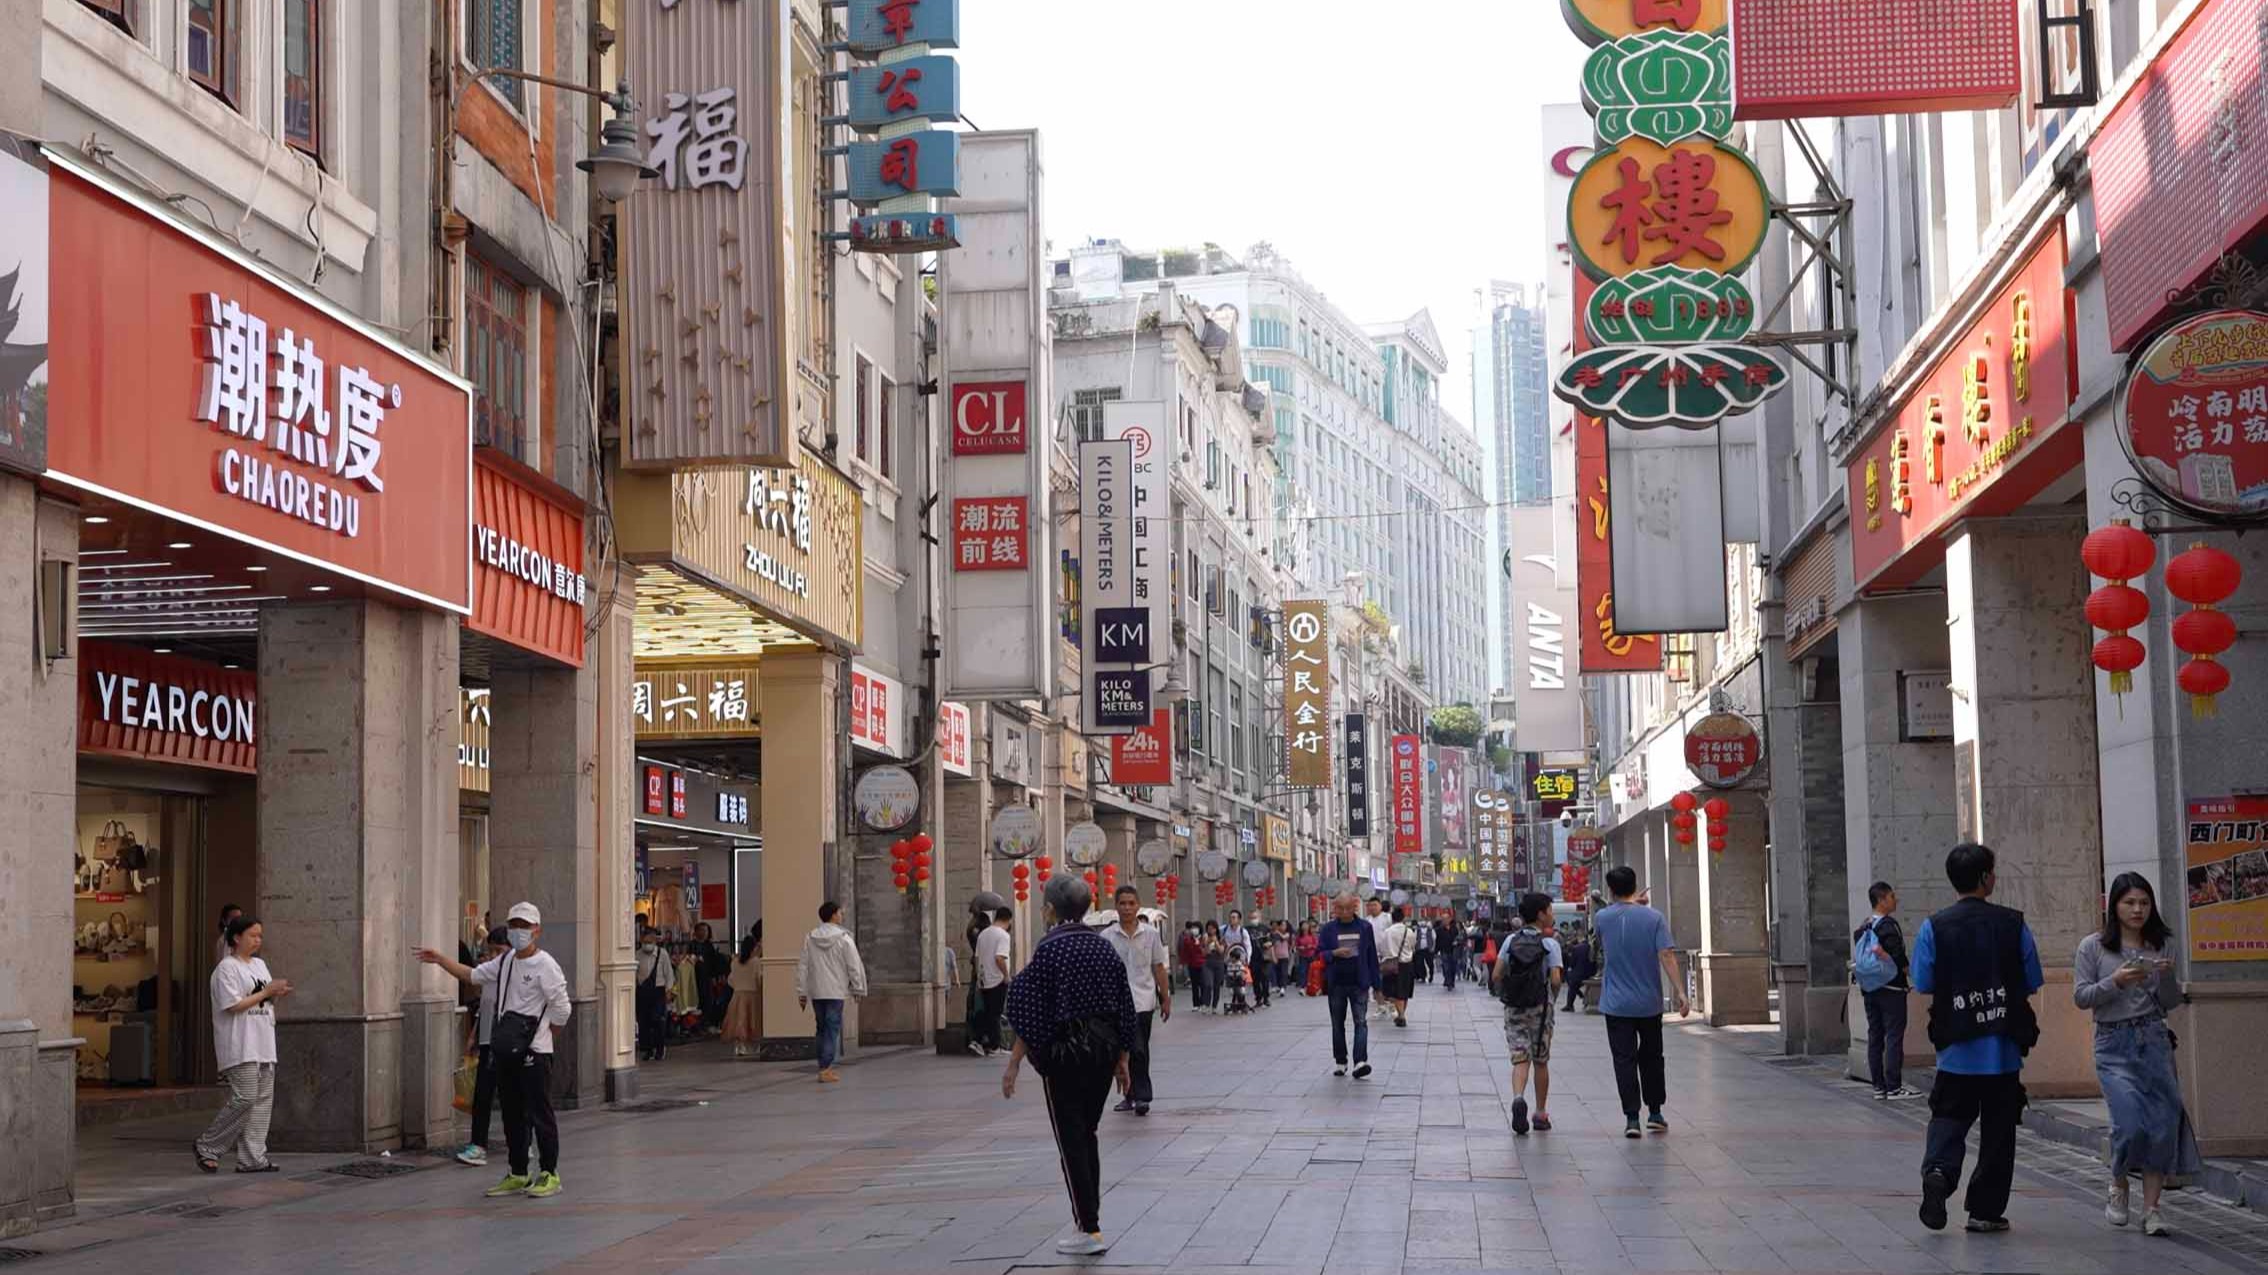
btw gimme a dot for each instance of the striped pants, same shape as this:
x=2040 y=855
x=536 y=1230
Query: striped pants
x=243 y=1123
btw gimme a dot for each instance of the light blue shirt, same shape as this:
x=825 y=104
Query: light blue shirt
x=1630 y=982
x=1994 y=1055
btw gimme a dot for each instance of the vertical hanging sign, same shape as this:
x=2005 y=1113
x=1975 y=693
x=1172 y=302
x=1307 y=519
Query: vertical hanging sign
x=705 y=254
x=1307 y=694
x=1409 y=798
x=900 y=164
x=1357 y=752
x=1114 y=636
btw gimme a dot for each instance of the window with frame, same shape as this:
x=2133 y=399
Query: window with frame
x=885 y=423
x=1087 y=411
x=211 y=48
x=303 y=75
x=493 y=39
x=119 y=13
x=862 y=409
x=496 y=356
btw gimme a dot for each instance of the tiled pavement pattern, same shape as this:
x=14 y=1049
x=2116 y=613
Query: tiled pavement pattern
x=1255 y=1160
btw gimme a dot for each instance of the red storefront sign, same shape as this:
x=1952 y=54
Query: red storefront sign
x=677 y=794
x=2197 y=412
x=1799 y=59
x=134 y=703
x=953 y=738
x=657 y=790
x=989 y=418
x=1722 y=749
x=528 y=585
x=1144 y=758
x=877 y=711
x=1409 y=796
x=2180 y=166
x=1604 y=649
x=195 y=384
x=1979 y=435
x=991 y=533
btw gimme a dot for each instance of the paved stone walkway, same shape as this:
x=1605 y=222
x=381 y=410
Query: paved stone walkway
x=1255 y=1160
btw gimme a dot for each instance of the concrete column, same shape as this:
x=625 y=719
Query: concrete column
x=1122 y=830
x=1898 y=814
x=358 y=824
x=38 y=814
x=1683 y=907
x=800 y=694
x=543 y=842
x=1735 y=974
x=611 y=942
x=964 y=867
x=2024 y=754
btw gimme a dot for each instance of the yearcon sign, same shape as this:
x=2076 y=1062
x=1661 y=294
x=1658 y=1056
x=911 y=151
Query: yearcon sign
x=528 y=585
x=1307 y=693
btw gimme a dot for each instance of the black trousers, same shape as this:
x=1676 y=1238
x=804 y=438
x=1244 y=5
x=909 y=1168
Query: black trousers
x=1885 y=1038
x=525 y=1094
x=1075 y=1105
x=1138 y=1059
x=1955 y=1103
x=483 y=1095
x=1637 y=1047
x=991 y=1002
x=653 y=1019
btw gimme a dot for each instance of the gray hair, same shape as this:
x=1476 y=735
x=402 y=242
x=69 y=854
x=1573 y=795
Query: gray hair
x=1344 y=896
x=1068 y=897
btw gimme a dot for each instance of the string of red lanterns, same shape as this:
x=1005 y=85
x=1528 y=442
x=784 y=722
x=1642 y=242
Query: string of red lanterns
x=909 y=861
x=2118 y=553
x=1682 y=820
x=1719 y=811
x=2204 y=577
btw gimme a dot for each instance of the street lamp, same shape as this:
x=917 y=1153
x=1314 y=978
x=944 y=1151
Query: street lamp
x=618 y=164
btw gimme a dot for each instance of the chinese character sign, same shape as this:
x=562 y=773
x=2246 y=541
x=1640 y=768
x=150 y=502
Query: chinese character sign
x=704 y=256
x=1554 y=790
x=673 y=701
x=2197 y=413
x=1307 y=693
x=1723 y=749
x=1356 y=749
x=880 y=26
x=2226 y=847
x=990 y=533
x=1409 y=795
x=953 y=738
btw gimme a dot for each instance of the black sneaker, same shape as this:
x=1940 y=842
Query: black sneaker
x=1935 y=1189
x=1141 y=1108
x=1124 y=1104
x=1362 y=1071
x=1630 y=1128
x=1520 y=1117
x=1656 y=1121
x=1988 y=1225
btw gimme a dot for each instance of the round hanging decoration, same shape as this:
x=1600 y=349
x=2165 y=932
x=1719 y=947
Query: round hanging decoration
x=1015 y=831
x=2117 y=607
x=2202 y=679
x=1153 y=857
x=1684 y=803
x=1256 y=873
x=2204 y=631
x=2118 y=552
x=887 y=798
x=2193 y=396
x=1084 y=844
x=1585 y=843
x=1723 y=749
x=2204 y=577
x=1046 y=868
x=1366 y=891
x=2119 y=655
x=1398 y=897
x=1310 y=882
x=1212 y=865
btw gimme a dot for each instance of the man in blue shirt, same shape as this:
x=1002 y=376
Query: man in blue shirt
x=1980 y=966
x=1349 y=948
x=1639 y=955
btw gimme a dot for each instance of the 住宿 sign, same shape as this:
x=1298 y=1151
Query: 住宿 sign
x=988 y=418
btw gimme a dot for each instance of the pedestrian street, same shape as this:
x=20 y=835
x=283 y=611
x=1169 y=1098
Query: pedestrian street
x=1254 y=1159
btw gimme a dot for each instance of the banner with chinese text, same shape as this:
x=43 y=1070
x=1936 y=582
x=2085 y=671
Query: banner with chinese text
x=1307 y=694
x=2227 y=856
x=1409 y=796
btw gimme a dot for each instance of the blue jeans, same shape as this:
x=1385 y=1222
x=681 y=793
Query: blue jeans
x=829 y=1014
x=1342 y=1000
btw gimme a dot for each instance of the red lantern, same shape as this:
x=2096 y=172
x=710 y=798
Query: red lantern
x=921 y=872
x=2119 y=655
x=922 y=844
x=1683 y=802
x=2203 y=576
x=2203 y=678
x=2117 y=551
x=2117 y=608
x=900 y=880
x=1046 y=868
x=2204 y=631
x=1717 y=808
x=1021 y=871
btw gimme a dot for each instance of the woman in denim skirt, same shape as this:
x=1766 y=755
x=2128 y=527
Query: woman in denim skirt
x=2126 y=976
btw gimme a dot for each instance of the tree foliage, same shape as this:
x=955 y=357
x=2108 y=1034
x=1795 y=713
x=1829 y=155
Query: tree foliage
x=1457 y=725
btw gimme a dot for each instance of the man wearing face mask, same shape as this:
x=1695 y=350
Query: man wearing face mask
x=655 y=977
x=531 y=1000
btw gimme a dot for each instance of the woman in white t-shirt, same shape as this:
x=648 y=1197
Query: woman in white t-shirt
x=244 y=1044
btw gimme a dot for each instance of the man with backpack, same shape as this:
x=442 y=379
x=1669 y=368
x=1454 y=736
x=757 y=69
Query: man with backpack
x=1879 y=966
x=1528 y=970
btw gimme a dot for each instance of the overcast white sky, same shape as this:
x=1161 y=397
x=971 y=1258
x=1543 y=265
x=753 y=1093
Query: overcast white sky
x=1391 y=150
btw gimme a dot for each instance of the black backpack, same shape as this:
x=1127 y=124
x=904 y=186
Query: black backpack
x=1524 y=972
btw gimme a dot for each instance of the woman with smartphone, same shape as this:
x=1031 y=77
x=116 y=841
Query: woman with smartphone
x=2126 y=976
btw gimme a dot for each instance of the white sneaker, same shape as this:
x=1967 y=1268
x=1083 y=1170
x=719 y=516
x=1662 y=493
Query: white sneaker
x=1082 y=1245
x=2115 y=1209
x=1339 y=1070
x=2153 y=1223
x=473 y=1154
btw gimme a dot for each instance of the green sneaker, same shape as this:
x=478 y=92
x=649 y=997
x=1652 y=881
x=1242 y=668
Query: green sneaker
x=513 y=1184
x=546 y=1186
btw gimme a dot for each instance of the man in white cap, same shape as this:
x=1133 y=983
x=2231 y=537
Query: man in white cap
x=531 y=1001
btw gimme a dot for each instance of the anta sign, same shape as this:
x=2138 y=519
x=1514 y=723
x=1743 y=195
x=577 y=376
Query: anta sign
x=988 y=418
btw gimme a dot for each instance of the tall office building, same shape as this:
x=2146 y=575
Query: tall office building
x=1512 y=415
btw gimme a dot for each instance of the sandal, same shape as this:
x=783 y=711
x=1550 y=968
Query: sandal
x=205 y=1162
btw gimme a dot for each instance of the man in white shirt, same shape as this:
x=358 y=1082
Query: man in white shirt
x=1374 y=912
x=992 y=983
x=533 y=989
x=1137 y=943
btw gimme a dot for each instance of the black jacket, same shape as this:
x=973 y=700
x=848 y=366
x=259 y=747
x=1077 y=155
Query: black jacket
x=1893 y=940
x=1980 y=986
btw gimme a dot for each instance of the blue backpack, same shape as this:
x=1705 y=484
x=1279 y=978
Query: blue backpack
x=1870 y=965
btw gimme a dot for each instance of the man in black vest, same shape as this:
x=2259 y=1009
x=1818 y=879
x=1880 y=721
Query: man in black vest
x=1978 y=962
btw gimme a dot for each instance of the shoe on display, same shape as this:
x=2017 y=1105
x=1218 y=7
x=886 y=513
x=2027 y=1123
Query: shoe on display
x=1520 y=1117
x=473 y=1154
x=513 y=1184
x=2115 y=1209
x=1362 y=1071
x=544 y=1187
x=1935 y=1189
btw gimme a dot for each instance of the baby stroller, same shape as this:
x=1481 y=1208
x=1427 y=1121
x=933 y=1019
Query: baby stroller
x=1239 y=978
